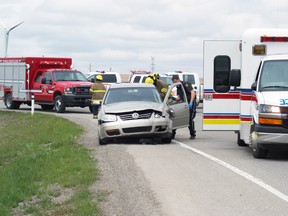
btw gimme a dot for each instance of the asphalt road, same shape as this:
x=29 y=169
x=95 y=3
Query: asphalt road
x=210 y=175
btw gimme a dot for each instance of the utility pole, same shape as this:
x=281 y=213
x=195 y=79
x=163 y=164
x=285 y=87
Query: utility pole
x=152 y=64
x=6 y=37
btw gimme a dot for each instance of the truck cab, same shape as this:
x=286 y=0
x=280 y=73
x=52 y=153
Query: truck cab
x=61 y=88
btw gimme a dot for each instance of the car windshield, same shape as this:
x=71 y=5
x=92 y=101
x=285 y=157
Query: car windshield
x=116 y=95
x=68 y=76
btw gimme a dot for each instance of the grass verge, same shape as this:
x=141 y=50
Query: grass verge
x=43 y=171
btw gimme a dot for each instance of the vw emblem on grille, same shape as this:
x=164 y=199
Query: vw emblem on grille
x=135 y=115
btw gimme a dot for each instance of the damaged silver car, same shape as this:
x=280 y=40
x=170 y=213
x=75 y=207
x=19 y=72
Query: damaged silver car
x=135 y=110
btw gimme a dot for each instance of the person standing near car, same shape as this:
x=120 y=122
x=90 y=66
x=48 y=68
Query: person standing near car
x=98 y=90
x=191 y=100
x=161 y=86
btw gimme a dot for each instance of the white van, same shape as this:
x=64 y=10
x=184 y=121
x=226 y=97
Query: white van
x=193 y=78
x=140 y=78
x=108 y=77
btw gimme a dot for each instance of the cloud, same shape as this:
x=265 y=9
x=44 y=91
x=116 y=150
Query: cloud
x=125 y=34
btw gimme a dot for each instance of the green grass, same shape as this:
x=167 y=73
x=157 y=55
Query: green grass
x=39 y=160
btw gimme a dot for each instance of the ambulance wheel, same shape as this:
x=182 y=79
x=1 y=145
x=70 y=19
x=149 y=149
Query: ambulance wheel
x=240 y=142
x=59 y=104
x=9 y=103
x=257 y=149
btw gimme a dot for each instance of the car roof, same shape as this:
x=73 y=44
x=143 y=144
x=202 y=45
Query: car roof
x=129 y=85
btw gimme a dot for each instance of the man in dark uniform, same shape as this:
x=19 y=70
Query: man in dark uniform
x=191 y=100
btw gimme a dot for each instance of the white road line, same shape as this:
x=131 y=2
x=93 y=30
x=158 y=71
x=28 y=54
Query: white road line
x=238 y=171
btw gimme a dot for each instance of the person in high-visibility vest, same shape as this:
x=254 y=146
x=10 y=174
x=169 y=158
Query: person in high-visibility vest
x=161 y=86
x=98 y=90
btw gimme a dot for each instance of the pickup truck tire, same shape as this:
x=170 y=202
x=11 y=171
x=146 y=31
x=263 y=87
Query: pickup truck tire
x=257 y=150
x=59 y=104
x=9 y=103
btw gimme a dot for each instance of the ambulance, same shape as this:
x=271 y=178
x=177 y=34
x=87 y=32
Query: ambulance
x=246 y=88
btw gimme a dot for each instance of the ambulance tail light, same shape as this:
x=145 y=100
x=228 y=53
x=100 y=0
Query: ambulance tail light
x=274 y=39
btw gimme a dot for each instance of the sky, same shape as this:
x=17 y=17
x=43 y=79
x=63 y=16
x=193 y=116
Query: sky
x=125 y=35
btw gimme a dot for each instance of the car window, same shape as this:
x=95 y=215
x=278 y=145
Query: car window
x=144 y=78
x=136 y=79
x=117 y=95
x=189 y=77
x=111 y=78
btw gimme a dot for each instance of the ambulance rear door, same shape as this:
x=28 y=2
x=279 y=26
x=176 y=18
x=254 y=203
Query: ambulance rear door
x=221 y=103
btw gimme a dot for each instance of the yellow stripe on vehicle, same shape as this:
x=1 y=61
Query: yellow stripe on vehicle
x=221 y=121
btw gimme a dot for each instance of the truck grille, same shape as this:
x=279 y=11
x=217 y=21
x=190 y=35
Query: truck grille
x=135 y=115
x=81 y=90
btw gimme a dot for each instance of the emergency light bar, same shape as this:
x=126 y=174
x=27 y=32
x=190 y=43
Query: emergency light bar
x=50 y=63
x=273 y=39
x=140 y=72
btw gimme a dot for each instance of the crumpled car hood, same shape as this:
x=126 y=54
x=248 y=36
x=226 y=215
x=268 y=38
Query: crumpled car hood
x=132 y=106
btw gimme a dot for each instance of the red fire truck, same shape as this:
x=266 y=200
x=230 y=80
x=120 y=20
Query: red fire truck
x=50 y=80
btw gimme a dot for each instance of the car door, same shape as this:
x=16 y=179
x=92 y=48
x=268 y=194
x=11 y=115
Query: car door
x=179 y=110
x=46 y=95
